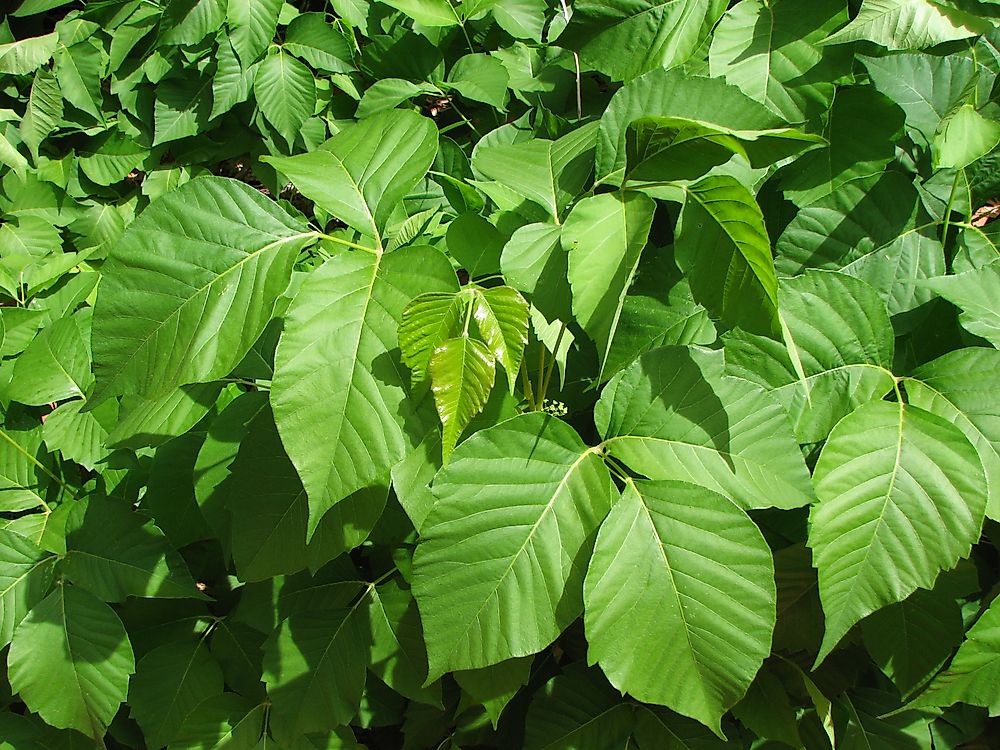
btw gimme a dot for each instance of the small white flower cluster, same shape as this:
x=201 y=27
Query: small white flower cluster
x=555 y=408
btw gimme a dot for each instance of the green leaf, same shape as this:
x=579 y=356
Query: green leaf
x=389 y=93
x=79 y=69
x=432 y=13
x=709 y=102
x=316 y=41
x=70 y=661
x=27 y=55
x=225 y=721
x=252 y=24
x=493 y=687
x=911 y=639
x=705 y=616
x=625 y=39
x=820 y=373
x=54 y=367
x=141 y=562
x=475 y=244
x=962 y=387
x=153 y=421
x=24 y=473
x=170 y=681
x=771 y=52
x=339 y=398
x=26 y=575
x=965 y=136
x=578 y=710
x=519 y=501
x=190 y=21
x=901 y=497
x=973 y=673
x=285 y=92
x=723 y=248
x=480 y=78
x=604 y=236
x=550 y=173
x=412 y=476
x=113 y=160
x=44 y=112
x=973 y=293
x=314 y=668
x=878 y=232
x=80 y=436
x=182 y=107
x=398 y=655
x=662 y=149
x=462 y=371
x=217 y=453
x=231 y=82
x=502 y=316
x=909 y=24
x=191 y=286
x=365 y=171
x=267 y=512
x=925 y=86
x=650 y=320
x=428 y=321
x=674 y=415
x=861 y=126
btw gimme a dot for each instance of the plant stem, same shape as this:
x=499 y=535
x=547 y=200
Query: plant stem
x=541 y=375
x=552 y=362
x=526 y=387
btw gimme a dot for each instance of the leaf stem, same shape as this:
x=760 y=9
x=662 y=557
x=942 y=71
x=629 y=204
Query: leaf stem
x=66 y=488
x=346 y=243
x=947 y=211
x=552 y=362
x=468 y=318
x=385 y=576
x=465 y=119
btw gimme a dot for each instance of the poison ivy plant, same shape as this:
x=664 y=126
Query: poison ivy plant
x=499 y=373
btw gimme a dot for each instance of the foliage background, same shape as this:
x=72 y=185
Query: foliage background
x=499 y=373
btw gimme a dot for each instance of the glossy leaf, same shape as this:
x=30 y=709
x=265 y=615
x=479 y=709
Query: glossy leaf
x=462 y=371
